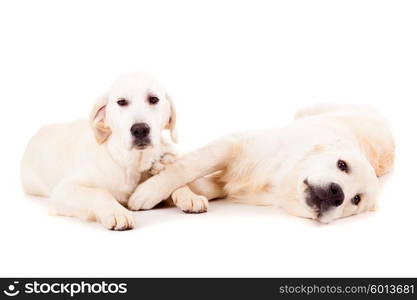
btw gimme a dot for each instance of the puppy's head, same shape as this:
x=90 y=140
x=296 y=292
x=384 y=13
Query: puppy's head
x=335 y=183
x=134 y=111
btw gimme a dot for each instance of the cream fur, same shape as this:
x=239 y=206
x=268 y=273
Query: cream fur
x=270 y=167
x=89 y=168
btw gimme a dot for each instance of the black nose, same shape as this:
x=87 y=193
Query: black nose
x=140 y=130
x=324 y=198
x=335 y=194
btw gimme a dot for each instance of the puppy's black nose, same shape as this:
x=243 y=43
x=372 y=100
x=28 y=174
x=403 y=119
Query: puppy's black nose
x=140 y=130
x=325 y=198
x=335 y=194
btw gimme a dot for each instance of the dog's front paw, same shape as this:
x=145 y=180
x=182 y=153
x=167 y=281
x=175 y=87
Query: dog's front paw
x=168 y=158
x=159 y=165
x=189 y=202
x=146 y=196
x=118 y=218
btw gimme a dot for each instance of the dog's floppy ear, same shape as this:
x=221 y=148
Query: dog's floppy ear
x=380 y=152
x=98 y=120
x=374 y=138
x=371 y=130
x=172 y=122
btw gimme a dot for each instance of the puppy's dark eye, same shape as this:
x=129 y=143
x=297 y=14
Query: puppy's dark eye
x=356 y=200
x=153 y=99
x=342 y=165
x=122 y=102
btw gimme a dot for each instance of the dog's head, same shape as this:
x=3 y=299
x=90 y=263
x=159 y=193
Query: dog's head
x=135 y=111
x=340 y=179
x=335 y=183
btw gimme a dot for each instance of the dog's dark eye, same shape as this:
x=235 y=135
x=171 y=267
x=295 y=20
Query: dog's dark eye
x=122 y=102
x=356 y=200
x=153 y=99
x=342 y=165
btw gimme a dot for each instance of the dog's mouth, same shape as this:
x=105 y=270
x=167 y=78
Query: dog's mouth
x=142 y=144
x=310 y=196
x=312 y=199
x=320 y=208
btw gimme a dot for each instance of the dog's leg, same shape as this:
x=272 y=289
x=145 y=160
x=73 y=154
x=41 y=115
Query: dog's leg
x=189 y=202
x=210 y=186
x=91 y=204
x=159 y=165
x=194 y=197
x=191 y=166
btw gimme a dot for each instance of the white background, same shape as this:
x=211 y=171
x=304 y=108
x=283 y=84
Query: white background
x=231 y=66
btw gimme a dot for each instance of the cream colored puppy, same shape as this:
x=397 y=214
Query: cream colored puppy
x=323 y=166
x=89 y=168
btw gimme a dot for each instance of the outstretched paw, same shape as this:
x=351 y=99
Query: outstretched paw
x=159 y=165
x=117 y=219
x=147 y=195
x=189 y=202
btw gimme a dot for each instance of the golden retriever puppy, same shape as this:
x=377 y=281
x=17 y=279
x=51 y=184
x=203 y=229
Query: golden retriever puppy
x=322 y=166
x=89 y=168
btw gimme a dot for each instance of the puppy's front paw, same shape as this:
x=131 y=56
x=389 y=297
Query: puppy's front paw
x=189 y=202
x=159 y=165
x=146 y=196
x=168 y=158
x=156 y=168
x=118 y=218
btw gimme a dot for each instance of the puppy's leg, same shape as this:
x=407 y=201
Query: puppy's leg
x=194 y=197
x=196 y=164
x=189 y=202
x=159 y=165
x=210 y=187
x=91 y=204
x=33 y=185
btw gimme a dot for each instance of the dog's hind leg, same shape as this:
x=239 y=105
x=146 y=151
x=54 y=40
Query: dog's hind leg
x=33 y=185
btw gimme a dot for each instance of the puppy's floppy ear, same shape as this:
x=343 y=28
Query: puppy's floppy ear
x=380 y=153
x=98 y=120
x=374 y=137
x=172 y=122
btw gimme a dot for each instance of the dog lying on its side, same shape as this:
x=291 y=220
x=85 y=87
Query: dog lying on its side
x=323 y=166
x=90 y=168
